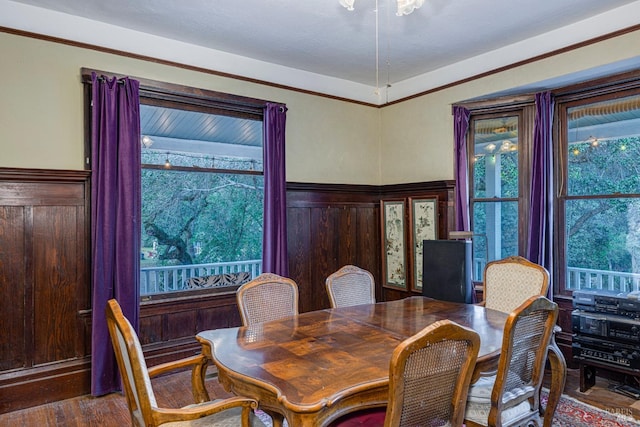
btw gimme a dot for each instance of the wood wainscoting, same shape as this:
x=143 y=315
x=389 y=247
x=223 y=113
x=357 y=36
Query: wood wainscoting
x=168 y=325
x=329 y=226
x=332 y=225
x=45 y=270
x=44 y=275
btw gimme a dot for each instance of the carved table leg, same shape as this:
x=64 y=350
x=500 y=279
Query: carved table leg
x=558 y=379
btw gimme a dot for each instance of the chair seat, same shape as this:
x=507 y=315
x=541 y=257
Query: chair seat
x=227 y=418
x=480 y=391
x=479 y=403
x=373 y=418
x=479 y=412
x=366 y=417
x=479 y=400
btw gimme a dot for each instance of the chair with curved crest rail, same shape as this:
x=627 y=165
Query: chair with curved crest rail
x=267 y=297
x=429 y=376
x=511 y=397
x=136 y=380
x=349 y=286
x=509 y=282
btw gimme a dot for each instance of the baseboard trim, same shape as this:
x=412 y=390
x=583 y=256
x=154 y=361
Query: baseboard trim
x=44 y=384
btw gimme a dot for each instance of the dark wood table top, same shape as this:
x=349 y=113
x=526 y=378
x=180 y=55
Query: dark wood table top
x=314 y=367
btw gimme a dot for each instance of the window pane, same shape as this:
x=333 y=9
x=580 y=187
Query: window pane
x=194 y=139
x=603 y=243
x=198 y=218
x=495 y=228
x=495 y=170
x=199 y=223
x=604 y=147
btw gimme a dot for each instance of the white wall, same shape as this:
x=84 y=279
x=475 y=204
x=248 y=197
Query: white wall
x=41 y=113
x=417 y=135
x=328 y=141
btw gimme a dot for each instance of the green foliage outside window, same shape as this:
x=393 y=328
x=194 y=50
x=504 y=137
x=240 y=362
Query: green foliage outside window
x=599 y=231
x=198 y=217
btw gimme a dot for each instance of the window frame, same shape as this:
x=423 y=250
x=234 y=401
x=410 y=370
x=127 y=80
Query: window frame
x=522 y=107
x=171 y=95
x=619 y=86
x=594 y=90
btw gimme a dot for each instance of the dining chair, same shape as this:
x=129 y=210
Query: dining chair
x=509 y=282
x=512 y=396
x=351 y=285
x=136 y=381
x=267 y=297
x=429 y=376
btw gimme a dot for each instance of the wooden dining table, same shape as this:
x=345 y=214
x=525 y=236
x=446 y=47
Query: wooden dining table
x=317 y=366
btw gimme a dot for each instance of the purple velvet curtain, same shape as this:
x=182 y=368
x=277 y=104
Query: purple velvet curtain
x=541 y=203
x=115 y=216
x=460 y=127
x=274 y=245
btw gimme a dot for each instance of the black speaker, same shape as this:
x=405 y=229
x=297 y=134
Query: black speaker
x=446 y=270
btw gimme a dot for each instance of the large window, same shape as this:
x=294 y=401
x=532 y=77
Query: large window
x=202 y=196
x=496 y=187
x=599 y=192
x=595 y=183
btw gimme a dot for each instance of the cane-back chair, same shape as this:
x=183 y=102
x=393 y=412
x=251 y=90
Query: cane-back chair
x=136 y=381
x=511 y=397
x=267 y=297
x=351 y=285
x=429 y=376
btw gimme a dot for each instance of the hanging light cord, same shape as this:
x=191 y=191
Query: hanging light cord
x=377 y=91
x=386 y=91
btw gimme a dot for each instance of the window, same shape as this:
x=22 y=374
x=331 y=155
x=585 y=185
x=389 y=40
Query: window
x=596 y=182
x=599 y=192
x=202 y=195
x=496 y=202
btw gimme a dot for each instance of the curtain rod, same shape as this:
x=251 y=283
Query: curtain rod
x=164 y=87
x=119 y=80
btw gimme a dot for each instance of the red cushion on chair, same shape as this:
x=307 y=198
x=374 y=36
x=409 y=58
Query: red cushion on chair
x=367 y=417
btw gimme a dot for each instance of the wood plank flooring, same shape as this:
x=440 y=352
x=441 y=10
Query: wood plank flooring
x=600 y=396
x=174 y=391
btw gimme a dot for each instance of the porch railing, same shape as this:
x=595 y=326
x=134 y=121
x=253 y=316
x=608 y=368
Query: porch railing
x=157 y=280
x=585 y=278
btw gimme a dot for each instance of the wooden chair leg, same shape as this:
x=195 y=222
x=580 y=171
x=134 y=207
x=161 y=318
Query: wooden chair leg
x=558 y=380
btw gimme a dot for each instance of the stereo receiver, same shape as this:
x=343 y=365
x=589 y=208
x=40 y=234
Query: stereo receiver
x=625 y=304
x=617 y=328
x=612 y=353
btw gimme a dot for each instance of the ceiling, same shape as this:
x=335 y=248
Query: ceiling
x=318 y=45
x=173 y=130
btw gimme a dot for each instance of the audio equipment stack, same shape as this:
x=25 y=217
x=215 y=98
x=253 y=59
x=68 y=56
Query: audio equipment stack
x=606 y=333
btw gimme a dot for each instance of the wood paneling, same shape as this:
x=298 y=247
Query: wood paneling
x=168 y=325
x=55 y=283
x=330 y=226
x=43 y=280
x=565 y=336
x=45 y=275
x=12 y=288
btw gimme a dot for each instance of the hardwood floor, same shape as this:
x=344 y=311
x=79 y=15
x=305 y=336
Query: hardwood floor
x=600 y=396
x=108 y=411
x=174 y=391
